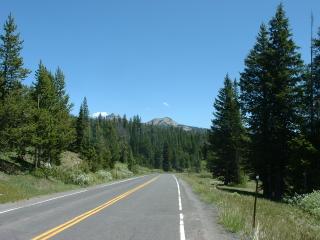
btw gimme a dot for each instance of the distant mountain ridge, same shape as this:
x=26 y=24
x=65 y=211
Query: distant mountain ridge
x=162 y=122
x=112 y=116
x=105 y=115
x=169 y=122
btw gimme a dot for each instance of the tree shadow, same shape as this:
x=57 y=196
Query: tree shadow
x=245 y=192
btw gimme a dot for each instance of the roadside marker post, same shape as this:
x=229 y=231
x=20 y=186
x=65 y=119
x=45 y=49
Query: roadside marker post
x=255 y=203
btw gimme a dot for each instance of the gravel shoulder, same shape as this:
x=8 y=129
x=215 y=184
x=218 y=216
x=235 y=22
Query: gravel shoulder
x=201 y=219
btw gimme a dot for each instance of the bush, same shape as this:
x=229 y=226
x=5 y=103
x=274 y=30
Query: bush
x=84 y=166
x=60 y=174
x=310 y=203
x=81 y=174
x=68 y=176
x=121 y=171
x=104 y=175
x=81 y=178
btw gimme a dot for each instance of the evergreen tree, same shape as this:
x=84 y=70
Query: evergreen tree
x=315 y=88
x=16 y=108
x=131 y=162
x=158 y=159
x=63 y=121
x=11 y=63
x=82 y=127
x=166 y=157
x=17 y=126
x=44 y=97
x=269 y=92
x=306 y=147
x=60 y=87
x=226 y=134
x=54 y=131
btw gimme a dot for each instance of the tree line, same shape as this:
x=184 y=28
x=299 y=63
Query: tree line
x=268 y=123
x=36 y=125
x=106 y=140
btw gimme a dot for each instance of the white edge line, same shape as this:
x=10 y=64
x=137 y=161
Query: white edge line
x=181 y=223
x=67 y=195
x=182 y=234
x=30 y=205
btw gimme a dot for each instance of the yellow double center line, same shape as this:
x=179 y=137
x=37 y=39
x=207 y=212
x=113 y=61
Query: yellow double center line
x=54 y=231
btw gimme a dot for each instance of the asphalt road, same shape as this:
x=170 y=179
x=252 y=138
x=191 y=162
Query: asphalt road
x=144 y=208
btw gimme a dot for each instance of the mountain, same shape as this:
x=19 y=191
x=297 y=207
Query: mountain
x=106 y=115
x=165 y=122
x=168 y=122
x=162 y=122
x=112 y=116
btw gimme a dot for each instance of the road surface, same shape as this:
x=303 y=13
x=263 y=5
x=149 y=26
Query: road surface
x=151 y=207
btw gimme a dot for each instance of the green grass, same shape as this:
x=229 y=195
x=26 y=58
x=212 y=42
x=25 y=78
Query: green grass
x=18 y=187
x=24 y=186
x=276 y=221
x=68 y=176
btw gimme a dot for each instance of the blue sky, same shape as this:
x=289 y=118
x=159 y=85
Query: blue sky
x=152 y=58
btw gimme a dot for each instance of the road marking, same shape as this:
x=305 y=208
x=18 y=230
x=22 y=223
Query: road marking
x=182 y=234
x=48 y=200
x=54 y=231
x=181 y=223
x=122 y=181
x=67 y=195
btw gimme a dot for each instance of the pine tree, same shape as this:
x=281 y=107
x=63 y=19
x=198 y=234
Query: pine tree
x=255 y=88
x=226 y=134
x=82 y=127
x=306 y=148
x=11 y=63
x=60 y=87
x=158 y=159
x=166 y=157
x=16 y=108
x=131 y=162
x=315 y=86
x=54 y=126
x=17 y=126
x=269 y=92
x=114 y=146
x=44 y=97
x=63 y=121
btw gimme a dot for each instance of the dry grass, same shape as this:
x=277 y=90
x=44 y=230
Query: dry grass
x=276 y=221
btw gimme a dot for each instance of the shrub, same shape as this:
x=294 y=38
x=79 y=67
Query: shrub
x=104 y=175
x=39 y=173
x=121 y=171
x=84 y=166
x=81 y=178
x=60 y=174
x=310 y=203
x=68 y=176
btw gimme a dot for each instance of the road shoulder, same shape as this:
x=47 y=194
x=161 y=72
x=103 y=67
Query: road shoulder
x=201 y=219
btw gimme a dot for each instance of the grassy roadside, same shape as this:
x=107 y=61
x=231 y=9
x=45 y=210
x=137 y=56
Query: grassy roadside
x=275 y=220
x=18 y=187
x=28 y=185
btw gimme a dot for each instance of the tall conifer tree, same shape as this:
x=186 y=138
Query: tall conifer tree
x=11 y=63
x=82 y=126
x=269 y=86
x=227 y=134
